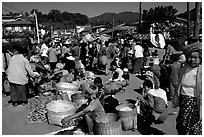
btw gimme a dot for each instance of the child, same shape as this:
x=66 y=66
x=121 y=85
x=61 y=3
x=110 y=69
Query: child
x=108 y=101
x=126 y=75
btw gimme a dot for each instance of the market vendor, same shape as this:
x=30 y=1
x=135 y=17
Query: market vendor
x=153 y=104
x=108 y=100
x=18 y=70
x=94 y=108
x=116 y=69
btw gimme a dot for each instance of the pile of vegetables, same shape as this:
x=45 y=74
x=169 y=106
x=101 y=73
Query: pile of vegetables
x=37 y=108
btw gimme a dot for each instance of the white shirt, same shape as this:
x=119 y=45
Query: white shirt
x=138 y=51
x=18 y=69
x=158 y=93
x=120 y=74
x=188 y=82
x=44 y=49
x=161 y=40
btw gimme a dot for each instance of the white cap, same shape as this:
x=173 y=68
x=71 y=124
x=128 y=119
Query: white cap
x=125 y=70
x=130 y=52
x=70 y=58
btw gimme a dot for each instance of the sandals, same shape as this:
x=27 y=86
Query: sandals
x=14 y=104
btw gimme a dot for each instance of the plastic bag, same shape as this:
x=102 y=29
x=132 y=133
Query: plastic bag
x=6 y=86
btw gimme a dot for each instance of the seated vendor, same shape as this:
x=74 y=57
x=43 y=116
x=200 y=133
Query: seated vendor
x=126 y=75
x=108 y=101
x=116 y=69
x=153 y=104
x=93 y=109
x=117 y=76
x=79 y=71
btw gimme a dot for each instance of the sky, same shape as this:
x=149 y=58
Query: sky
x=89 y=8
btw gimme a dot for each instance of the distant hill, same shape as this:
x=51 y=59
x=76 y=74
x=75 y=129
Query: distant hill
x=123 y=17
x=130 y=17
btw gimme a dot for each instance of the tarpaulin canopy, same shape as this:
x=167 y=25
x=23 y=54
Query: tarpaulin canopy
x=87 y=38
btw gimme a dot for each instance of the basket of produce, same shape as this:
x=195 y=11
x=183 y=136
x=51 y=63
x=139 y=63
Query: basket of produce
x=67 y=86
x=108 y=124
x=59 y=109
x=128 y=116
x=37 y=108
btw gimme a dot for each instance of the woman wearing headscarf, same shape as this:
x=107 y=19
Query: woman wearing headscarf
x=188 y=94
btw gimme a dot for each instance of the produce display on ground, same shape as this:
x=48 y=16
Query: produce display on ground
x=37 y=108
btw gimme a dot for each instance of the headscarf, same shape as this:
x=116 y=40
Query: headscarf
x=194 y=47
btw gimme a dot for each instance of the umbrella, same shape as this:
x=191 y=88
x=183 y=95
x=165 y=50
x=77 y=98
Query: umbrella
x=104 y=38
x=88 y=37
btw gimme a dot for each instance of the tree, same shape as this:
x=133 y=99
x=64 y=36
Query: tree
x=55 y=15
x=159 y=14
x=60 y=20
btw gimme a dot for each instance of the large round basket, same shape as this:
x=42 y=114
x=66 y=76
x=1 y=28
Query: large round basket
x=108 y=124
x=59 y=109
x=128 y=116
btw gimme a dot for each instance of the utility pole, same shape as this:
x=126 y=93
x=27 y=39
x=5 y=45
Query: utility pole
x=113 y=29
x=140 y=17
x=36 y=22
x=188 y=21
x=197 y=19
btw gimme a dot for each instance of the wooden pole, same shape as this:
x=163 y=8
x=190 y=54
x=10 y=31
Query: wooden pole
x=140 y=17
x=188 y=21
x=113 y=30
x=36 y=22
x=197 y=19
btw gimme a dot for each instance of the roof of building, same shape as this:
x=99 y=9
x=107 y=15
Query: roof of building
x=19 y=22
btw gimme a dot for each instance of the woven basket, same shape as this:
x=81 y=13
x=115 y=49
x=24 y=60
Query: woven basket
x=59 y=109
x=108 y=124
x=128 y=116
x=67 y=86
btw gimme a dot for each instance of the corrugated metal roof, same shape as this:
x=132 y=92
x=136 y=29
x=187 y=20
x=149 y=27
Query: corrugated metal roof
x=19 y=22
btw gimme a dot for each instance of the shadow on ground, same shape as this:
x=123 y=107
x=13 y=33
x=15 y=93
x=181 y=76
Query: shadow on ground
x=150 y=131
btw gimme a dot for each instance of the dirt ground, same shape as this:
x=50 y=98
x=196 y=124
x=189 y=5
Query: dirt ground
x=14 y=121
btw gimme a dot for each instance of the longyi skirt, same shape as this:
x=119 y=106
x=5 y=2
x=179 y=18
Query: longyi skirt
x=187 y=121
x=137 y=64
x=18 y=92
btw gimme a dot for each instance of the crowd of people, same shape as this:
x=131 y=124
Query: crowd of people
x=25 y=70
